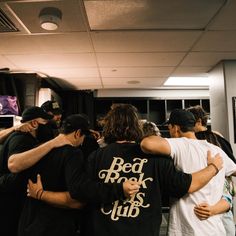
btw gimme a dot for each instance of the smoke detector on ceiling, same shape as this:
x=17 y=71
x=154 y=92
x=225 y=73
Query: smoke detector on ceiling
x=50 y=18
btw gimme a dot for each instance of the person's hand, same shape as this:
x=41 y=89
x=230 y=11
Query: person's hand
x=130 y=188
x=95 y=134
x=35 y=190
x=60 y=140
x=203 y=211
x=215 y=161
x=24 y=127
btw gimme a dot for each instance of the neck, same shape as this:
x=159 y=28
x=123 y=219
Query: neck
x=190 y=135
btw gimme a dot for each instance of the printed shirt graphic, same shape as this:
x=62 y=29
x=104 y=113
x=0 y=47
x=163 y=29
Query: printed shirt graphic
x=118 y=168
x=140 y=215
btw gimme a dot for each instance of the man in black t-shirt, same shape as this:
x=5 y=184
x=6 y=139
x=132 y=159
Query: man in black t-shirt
x=12 y=188
x=42 y=219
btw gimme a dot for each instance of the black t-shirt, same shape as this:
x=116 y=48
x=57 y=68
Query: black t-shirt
x=13 y=186
x=218 y=140
x=57 y=169
x=142 y=215
x=47 y=132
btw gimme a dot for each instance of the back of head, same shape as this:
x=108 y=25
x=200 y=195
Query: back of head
x=52 y=106
x=182 y=118
x=35 y=112
x=122 y=123
x=75 y=122
x=199 y=113
x=150 y=128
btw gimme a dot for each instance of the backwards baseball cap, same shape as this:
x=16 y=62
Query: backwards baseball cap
x=32 y=113
x=75 y=122
x=52 y=106
x=181 y=117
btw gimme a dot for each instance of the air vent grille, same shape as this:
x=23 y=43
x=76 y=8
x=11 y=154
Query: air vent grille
x=6 y=25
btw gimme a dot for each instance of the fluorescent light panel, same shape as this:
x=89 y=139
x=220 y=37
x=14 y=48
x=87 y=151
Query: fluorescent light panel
x=187 y=81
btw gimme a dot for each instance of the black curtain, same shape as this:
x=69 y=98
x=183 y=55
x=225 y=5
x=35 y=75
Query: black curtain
x=74 y=102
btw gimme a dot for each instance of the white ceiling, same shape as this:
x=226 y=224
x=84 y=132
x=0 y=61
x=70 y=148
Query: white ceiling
x=105 y=44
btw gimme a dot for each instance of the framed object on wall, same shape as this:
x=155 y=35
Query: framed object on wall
x=234 y=116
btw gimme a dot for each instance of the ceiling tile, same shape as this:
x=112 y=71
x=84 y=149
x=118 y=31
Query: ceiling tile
x=191 y=71
x=138 y=59
x=28 y=12
x=40 y=61
x=144 y=41
x=204 y=59
x=123 y=82
x=72 y=72
x=67 y=43
x=146 y=14
x=226 y=19
x=218 y=41
x=133 y=72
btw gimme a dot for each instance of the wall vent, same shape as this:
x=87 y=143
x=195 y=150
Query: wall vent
x=6 y=25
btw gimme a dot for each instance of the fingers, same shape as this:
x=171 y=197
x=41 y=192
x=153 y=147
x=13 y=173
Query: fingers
x=39 y=181
x=130 y=188
x=201 y=213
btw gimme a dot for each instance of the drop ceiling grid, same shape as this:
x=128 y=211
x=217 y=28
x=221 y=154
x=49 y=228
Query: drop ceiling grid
x=132 y=72
x=144 y=41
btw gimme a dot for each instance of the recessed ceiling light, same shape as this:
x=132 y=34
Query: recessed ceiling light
x=187 y=81
x=50 y=18
x=133 y=82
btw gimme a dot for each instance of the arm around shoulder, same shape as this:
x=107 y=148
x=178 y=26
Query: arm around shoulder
x=155 y=145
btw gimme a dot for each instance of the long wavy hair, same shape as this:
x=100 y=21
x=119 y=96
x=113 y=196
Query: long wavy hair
x=122 y=124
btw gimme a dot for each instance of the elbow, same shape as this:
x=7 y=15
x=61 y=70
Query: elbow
x=12 y=166
x=76 y=205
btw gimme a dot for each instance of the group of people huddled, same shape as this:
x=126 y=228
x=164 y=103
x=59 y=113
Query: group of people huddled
x=60 y=178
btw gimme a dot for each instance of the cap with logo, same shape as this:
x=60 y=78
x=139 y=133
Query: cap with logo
x=181 y=117
x=35 y=112
x=52 y=106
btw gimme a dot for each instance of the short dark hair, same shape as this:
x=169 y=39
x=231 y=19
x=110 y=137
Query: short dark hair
x=122 y=123
x=75 y=122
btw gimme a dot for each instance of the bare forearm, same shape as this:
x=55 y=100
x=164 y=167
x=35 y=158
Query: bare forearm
x=60 y=199
x=21 y=161
x=5 y=133
x=155 y=145
x=201 y=178
x=220 y=207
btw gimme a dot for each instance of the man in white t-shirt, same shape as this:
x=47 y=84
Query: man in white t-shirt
x=190 y=155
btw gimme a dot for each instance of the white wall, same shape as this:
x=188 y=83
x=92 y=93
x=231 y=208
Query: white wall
x=222 y=89
x=158 y=93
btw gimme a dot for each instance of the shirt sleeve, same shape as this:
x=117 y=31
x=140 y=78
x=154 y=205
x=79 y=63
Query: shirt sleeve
x=173 y=182
x=83 y=187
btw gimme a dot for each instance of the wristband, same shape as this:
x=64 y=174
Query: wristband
x=37 y=192
x=217 y=170
x=41 y=194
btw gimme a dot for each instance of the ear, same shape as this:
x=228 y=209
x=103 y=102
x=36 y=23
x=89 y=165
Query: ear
x=34 y=123
x=77 y=134
x=177 y=129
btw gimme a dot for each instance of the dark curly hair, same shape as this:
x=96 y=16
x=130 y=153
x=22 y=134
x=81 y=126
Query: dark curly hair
x=122 y=123
x=199 y=113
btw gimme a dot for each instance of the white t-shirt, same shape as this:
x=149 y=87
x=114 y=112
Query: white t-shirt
x=190 y=155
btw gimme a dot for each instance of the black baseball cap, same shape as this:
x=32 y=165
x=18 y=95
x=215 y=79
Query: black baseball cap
x=181 y=117
x=76 y=122
x=35 y=112
x=52 y=106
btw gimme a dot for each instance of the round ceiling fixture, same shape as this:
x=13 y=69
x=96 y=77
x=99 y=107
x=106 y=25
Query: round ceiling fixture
x=50 y=18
